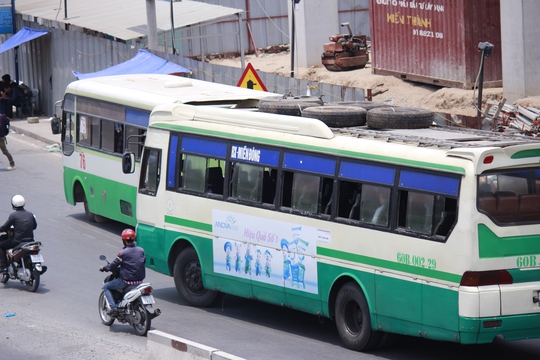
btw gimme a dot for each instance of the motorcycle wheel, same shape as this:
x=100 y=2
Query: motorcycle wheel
x=141 y=318
x=4 y=278
x=106 y=319
x=33 y=284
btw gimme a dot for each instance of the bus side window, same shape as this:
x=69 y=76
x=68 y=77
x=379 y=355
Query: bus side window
x=419 y=212
x=247 y=182
x=150 y=172
x=287 y=186
x=215 y=180
x=118 y=138
x=193 y=177
x=375 y=204
x=347 y=194
x=268 y=186
x=305 y=194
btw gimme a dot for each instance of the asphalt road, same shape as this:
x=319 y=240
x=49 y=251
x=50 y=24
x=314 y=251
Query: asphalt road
x=60 y=320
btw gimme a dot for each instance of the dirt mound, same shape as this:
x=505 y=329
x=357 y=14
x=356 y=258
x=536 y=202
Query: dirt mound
x=388 y=89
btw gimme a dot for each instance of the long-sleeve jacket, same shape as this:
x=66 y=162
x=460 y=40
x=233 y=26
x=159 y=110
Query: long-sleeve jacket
x=130 y=260
x=24 y=223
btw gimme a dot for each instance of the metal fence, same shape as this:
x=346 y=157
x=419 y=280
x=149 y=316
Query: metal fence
x=47 y=63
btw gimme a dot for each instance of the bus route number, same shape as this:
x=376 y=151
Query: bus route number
x=417 y=261
x=83 y=161
x=526 y=261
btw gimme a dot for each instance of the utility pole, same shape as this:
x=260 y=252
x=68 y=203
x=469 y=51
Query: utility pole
x=151 y=24
x=294 y=4
x=14 y=30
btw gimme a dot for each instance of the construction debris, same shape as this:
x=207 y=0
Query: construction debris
x=516 y=119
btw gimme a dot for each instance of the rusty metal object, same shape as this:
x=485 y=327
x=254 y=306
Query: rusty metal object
x=345 y=51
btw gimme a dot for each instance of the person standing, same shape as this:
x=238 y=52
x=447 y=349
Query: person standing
x=130 y=262
x=11 y=96
x=4 y=131
x=23 y=222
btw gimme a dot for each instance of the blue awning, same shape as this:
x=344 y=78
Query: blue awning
x=21 y=36
x=142 y=63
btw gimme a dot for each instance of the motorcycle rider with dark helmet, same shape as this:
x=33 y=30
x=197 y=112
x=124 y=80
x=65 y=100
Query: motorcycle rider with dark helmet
x=131 y=263
x=23 y=222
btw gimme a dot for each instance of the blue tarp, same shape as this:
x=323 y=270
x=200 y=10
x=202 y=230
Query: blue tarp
x=21 y=36
x=142 y=63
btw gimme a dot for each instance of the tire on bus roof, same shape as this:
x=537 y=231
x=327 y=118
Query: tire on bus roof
x=368 y=105
x=338 y=115
x=288 y=104
x=399 y=118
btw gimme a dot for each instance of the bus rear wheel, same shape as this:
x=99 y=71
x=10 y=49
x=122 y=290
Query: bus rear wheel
x=353 y=321
x=90 y=216
x=188 y=280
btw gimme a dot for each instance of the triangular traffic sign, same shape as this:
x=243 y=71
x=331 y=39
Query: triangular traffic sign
x=250 y=79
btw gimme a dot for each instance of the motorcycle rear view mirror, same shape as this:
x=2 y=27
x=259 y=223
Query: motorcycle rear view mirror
x=102 y=257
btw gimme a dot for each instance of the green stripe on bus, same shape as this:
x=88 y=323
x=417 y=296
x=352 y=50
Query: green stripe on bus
x=188 y=223
x=385 y=159
x=526 y=154
x=492 y=246
x=389 y=265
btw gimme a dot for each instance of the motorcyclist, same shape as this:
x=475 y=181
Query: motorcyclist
x=131 y=264
x=23 y=222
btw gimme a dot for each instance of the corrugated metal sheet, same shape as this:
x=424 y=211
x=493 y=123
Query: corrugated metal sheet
x=123 y=19
x=436 y=42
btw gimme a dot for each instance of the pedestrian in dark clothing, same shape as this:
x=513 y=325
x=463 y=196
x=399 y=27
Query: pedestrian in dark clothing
x=6 y=80
x=11 y=96
x=23 y=222
x=4 y=131
x=130 y=261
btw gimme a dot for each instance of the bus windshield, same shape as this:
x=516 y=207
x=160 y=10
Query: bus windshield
x=510 y=197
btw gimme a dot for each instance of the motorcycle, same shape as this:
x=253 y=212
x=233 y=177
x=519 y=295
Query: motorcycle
x=135 y=307
x=25 y=264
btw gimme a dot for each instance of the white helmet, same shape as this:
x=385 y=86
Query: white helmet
x=17 y=201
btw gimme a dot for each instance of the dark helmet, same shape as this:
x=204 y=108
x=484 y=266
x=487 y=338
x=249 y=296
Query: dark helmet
x=128 y=236
x=17 y=201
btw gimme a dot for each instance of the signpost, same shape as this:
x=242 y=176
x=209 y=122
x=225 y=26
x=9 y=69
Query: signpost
x=251 y=80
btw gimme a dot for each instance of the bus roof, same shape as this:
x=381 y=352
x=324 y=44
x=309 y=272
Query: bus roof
x=150 y=90
x=444 y=144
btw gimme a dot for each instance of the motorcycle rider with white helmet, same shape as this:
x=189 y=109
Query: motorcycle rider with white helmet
x=23 y=222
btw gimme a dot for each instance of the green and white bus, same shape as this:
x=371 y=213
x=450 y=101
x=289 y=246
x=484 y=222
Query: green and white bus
x=384 y=231
x=104 y=116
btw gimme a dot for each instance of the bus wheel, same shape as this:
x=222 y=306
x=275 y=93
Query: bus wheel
x=188 y=279
x=353 y=321
x=90 y=216
x=399 y=118
x=337 y=116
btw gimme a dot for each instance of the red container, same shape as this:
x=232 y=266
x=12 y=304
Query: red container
x=436 y=41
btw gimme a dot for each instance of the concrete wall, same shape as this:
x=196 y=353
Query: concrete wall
x=520 y=51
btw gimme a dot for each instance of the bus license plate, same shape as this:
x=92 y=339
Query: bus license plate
x=36 y=258
x=147 y=299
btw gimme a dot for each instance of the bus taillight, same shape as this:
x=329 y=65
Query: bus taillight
x=488 y=159
x=483 y=278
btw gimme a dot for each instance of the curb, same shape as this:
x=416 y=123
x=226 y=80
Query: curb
x=165 y=346
x=33 y=135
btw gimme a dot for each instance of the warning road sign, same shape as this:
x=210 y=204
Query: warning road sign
x=250 y=79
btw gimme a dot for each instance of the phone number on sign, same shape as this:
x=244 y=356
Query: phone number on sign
x=427 y=33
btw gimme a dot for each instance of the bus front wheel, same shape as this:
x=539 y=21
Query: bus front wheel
x=353 y=321
x=188 y=280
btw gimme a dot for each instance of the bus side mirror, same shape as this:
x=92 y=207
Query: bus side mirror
x=128 y=163
x=55 y=125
